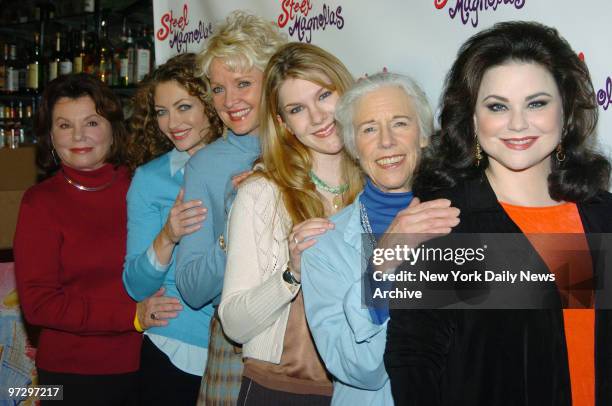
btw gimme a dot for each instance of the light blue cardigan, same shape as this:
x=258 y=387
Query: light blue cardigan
x=350 y=344
x=200 y=258
x=151 y=196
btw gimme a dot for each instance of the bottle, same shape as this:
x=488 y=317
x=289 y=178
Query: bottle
x=79 y=53
x=65 y=63
x=91 y=56
x=3 y=69
x=131 y=58
x=55 y=58
x=89 y=6
x=105 y=56
x=143 y=56
x=12 y=71
x=13 y=138
x=34 y=76
x=120 y=58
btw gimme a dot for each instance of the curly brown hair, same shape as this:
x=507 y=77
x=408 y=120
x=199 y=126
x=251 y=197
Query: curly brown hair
x=147 y=141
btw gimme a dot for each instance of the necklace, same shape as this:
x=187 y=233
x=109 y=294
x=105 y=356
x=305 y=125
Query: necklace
x=337 y=191
x=74 y=184
x=365 y=223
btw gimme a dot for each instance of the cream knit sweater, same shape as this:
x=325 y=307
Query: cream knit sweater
x=256 y=300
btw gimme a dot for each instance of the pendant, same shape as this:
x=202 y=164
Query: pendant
x=337 y=202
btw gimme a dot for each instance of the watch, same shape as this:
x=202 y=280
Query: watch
x=289 y=278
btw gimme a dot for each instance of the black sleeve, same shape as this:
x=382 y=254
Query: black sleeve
x=418 y=342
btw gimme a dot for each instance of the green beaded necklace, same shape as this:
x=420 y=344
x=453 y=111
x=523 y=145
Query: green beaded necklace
x=337 y=191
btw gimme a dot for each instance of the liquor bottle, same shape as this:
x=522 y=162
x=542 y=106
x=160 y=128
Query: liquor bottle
x=12 y=71
x=55 y=58
x=79 y=53
x=120 y=59
x=65 y=63
x=34 y=76
x=143 y=56
x=105 y=56
x=91 y=56
x=3 y=69
x=89 y=6
x=131 y=58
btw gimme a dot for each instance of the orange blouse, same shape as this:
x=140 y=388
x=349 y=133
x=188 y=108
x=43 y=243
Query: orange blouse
x=579 y=319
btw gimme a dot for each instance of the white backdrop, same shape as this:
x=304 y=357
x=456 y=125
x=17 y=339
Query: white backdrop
x=415 y=37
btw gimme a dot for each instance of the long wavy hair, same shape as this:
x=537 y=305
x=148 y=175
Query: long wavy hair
x=147 y=141
x=286 y=160
x=451 y=155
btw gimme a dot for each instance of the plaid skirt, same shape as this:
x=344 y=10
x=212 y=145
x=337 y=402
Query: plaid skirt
x=223 y=376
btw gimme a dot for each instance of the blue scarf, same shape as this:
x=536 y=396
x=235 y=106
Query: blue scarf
x=381 y=208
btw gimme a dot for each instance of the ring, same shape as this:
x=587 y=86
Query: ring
x=295 y=240
x=153 y=316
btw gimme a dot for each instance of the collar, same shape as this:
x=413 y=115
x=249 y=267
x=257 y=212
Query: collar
x=178 y=160
x=106 y=173
x=246 y=143
x=353 y=231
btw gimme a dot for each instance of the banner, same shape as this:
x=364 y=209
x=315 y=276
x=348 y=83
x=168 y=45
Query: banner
x=418 y=38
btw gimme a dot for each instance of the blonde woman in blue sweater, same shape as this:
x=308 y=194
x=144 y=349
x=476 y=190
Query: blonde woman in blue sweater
x=173 y=119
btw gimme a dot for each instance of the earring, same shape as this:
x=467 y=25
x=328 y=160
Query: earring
x=54 y=156
x=478 y=152
x=560 y=154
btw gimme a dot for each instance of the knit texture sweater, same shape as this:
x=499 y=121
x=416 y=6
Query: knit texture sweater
x=69 y=249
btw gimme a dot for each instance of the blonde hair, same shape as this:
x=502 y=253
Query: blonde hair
x=286 y=160
x=243 y=41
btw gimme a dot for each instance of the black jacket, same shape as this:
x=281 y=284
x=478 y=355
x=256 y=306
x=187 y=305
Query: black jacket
x=493 y=357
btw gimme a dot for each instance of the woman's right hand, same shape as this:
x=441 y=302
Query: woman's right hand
x=184 y=218
x=155 y=310
x=419 y=222
x=301 y=239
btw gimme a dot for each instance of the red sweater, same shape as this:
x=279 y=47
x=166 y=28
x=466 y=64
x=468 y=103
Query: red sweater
x=69 y=249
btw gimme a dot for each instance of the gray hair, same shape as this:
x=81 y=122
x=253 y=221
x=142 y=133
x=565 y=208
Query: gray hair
x=345 y=109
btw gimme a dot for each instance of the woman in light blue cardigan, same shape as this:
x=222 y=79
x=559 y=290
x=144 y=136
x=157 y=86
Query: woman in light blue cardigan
x=384 y=120
x=173 y=119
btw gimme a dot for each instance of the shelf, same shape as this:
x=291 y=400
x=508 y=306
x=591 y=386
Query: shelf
x=18 y=97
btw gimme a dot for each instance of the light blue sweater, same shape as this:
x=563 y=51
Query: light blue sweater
x=208 y=177
x=151 y=196
x=350 y=344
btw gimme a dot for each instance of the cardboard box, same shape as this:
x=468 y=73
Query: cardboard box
x=17 y=173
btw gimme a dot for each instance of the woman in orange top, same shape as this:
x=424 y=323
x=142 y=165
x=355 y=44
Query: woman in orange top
x=517 y=111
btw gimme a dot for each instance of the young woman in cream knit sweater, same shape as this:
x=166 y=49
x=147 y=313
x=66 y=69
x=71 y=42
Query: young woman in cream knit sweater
x=303 y=177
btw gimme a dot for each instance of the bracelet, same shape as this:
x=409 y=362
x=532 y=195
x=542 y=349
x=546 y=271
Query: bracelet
x=137 y=325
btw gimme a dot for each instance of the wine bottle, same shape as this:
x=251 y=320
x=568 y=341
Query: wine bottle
x=143 y=56
x=65 y=63
x=34 y=67
x=55 y=58
x=105 y=56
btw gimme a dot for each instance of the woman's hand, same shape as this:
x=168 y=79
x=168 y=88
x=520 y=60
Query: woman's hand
x=184 y=218
x=419 y=222
x=301 y=239
x=238 y=179
x=155 y=310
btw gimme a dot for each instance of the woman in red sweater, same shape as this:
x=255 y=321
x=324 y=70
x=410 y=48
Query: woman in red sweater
x=69 y=249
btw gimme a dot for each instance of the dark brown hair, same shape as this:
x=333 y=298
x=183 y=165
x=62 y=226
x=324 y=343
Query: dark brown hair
x=73 y=87
x=147 y=141
x=451 y=156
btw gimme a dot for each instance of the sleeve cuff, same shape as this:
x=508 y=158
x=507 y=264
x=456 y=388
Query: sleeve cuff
x=358 y=317
x=152 y=257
